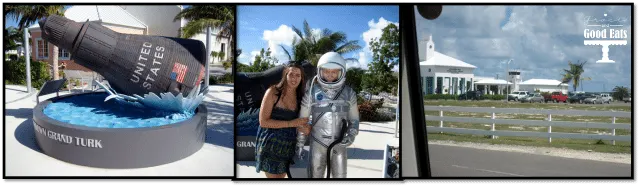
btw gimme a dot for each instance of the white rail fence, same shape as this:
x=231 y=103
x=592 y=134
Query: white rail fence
x=548 y=122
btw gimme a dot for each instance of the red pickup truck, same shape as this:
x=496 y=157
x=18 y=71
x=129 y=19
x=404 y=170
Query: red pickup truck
x=555 y=97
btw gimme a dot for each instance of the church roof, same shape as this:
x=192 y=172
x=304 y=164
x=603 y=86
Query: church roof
x=440 y=59
x=435 y=58
x=547 y=82
x=491 y=82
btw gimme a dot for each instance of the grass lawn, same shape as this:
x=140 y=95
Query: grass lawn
x=594 y=145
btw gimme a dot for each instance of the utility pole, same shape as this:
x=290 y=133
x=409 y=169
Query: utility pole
x=27 y=58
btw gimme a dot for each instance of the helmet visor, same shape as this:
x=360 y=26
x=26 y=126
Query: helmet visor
x=331 y=72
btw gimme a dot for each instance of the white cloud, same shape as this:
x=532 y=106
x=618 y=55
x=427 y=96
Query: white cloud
x=540 y=39
x=375 y=31
x=283 y=35
x=362 y=61
x=253 y=55
x=242 y=56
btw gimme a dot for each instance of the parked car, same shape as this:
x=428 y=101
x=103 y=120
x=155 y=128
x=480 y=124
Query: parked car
x=556 y=97
x=533 y=97
x=626 y=99
x=577 y=98
x=594 y=99
x=606 y=97
x=517 y=95
x=473 y=95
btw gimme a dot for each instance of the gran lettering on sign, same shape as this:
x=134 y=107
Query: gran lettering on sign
x=66 y=139
x=454 y=70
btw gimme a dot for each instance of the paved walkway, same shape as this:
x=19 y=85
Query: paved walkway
x=23 y=157
x=365 y=155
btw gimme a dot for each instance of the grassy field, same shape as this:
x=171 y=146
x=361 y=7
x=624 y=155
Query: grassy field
x=594 y=145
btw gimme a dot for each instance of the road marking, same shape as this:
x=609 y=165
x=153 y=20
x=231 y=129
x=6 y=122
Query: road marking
x=499 y=172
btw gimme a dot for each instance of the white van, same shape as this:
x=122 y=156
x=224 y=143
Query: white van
x=606 y=97
x=517 y=95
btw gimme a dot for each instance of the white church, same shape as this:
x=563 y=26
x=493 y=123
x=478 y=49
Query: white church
x=442 y=74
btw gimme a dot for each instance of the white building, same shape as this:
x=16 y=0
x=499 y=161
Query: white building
x=219 y=45
x=491 y=85
x=543 y=85
x=442 y=74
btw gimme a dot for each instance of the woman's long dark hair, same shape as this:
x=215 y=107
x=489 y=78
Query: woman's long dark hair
x=280 y=87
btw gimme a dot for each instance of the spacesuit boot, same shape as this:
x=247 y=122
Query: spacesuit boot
x=330 y=104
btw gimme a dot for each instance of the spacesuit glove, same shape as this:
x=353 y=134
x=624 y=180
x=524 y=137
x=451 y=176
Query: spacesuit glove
x=349 y=137
x=300 y=152
x=301 y=139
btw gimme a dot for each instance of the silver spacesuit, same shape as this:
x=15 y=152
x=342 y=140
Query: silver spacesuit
x=329 y=103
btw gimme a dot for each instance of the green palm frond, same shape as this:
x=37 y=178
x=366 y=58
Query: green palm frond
x=297 y=31
x=27 y=15
x=220 y=17
x=350 y=46
x=308 y=32
x=338 y=37
x=197 y=26
x=286 y=51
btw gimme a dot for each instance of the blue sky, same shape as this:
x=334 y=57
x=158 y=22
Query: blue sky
x=540 y=40
x=269 y=26
x=11 y=22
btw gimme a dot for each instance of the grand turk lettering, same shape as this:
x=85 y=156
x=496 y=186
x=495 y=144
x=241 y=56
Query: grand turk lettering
x=66 y=139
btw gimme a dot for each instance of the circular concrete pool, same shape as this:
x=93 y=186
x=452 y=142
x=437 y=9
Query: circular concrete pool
x=83 y=129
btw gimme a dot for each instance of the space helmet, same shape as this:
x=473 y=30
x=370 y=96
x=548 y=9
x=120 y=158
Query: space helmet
x=332 y=60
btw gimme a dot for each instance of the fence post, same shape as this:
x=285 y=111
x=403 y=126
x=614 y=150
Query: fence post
x=549 y=127
x=493 y=125
x=613 y=131
x=441 y=115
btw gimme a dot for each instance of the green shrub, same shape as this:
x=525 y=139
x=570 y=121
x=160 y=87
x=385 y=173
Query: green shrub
x=441 y=97
x=359 y=99
x=494 y=97
x=224 y=79
x=15 y=72
x=369 y=112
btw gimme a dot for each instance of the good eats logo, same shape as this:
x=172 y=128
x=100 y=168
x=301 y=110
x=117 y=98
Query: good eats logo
x=605 y=31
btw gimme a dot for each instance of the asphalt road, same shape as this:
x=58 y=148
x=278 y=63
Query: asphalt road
x=452 y=161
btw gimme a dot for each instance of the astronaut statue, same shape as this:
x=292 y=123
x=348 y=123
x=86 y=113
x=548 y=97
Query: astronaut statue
x=330 y=104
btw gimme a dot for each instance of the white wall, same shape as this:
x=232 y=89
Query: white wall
x=158 y=18
x=544 y=88
x=215 y=44
x=441 y=71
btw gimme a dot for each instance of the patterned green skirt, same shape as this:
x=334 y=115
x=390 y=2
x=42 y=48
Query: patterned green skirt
x=275 y=149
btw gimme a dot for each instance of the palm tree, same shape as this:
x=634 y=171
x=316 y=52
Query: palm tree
x=221 y=17
x=573 y=74
x=27 y=15
x=619 y=92
x=12 y=36
x=310 y=46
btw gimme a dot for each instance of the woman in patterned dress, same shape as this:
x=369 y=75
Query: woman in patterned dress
x=279 y=123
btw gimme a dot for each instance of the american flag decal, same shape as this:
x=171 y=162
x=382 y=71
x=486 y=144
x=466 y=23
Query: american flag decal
x=178 y=72
x=200 y=76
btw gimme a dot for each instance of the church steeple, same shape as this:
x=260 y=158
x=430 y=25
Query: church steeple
x=430 y=48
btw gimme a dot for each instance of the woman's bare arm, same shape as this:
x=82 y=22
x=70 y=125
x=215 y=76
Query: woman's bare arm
x=265 y=112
